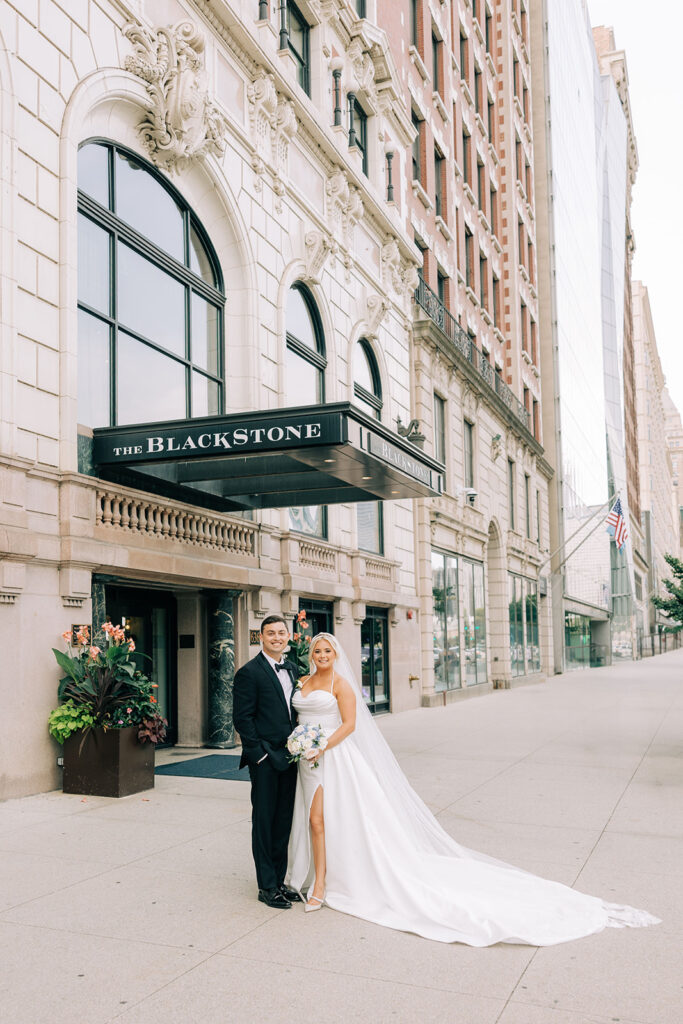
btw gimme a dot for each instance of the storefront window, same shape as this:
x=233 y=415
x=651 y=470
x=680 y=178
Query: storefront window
x=446 y=621
x=150 y=297
x=577 y=641
x=375 y=659
x=525 y=651
x=474 y=621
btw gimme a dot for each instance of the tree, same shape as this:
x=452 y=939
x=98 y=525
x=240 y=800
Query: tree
x=673 y=606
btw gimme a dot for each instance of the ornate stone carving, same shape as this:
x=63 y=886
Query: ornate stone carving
x=345 y=206
x=318 y=248
x=363 y=66
x=182 y=122
x=262 y=97
x=377 y=309
x=391 y=266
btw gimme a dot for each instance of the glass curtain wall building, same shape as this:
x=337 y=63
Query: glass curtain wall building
x=581 y=135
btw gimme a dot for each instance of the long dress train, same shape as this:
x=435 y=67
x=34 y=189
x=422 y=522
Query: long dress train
x=379 y=868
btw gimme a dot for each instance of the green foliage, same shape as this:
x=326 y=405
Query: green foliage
x=68 y=718
x=104 y=689
x=673 y=606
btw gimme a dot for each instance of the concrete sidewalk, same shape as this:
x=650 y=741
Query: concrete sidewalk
x=143 y=910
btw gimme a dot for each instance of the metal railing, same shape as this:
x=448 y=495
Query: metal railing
x=430 y=302
x=658 y=643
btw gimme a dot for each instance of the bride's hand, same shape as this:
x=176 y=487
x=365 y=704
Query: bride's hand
x=313 y=754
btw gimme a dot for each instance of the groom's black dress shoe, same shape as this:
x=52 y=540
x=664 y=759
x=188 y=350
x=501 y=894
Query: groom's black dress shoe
x=290 y=894
x=274 y=898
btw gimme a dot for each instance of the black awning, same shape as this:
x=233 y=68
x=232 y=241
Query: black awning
x=310 y=455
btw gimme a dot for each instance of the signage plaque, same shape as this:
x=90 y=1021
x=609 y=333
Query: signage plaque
x=401 y=460
x=231 y=436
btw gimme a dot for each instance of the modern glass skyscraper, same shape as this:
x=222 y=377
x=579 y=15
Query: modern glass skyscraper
x=582 y=193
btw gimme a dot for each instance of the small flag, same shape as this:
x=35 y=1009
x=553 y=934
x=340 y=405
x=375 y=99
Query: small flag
x=616 y=524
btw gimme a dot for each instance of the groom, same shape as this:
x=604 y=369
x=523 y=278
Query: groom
x=264 y=718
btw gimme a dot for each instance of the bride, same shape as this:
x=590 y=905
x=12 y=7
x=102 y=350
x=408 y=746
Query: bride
x=363 y=842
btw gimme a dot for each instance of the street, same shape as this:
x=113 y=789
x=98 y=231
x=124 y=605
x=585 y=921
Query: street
x=144 y=909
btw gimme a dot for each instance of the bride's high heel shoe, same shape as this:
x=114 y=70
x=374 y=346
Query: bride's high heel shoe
x=310 y=907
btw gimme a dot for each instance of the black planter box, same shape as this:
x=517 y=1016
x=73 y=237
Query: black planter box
x=112 y=763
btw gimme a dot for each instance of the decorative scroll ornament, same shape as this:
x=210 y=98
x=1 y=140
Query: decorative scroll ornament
x=345 y=205
x=262 y=97
x=273 y=125
x=363 y=66
x=398 y=274
x=182 y=123
x=377 y=309
x=318 y=248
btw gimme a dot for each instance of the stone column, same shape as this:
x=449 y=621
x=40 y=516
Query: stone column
x=221 y=650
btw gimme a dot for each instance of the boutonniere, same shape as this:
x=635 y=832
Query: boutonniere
x=299 y=684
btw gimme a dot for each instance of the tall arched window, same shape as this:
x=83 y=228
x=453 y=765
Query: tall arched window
x=367 y=386
x=305 y=385
x=305 y=357
x=150 y=297
x=367 y=394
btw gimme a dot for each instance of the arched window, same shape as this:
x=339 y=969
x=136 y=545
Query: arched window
x=367 y=393
x=150 y=297
x=305 y=385
x=305 y=357
x=367 y=386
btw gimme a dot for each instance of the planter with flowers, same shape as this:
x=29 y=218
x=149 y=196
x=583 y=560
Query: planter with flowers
x=108 y=717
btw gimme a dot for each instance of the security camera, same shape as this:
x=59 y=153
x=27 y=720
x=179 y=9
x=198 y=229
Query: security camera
x=471 y=495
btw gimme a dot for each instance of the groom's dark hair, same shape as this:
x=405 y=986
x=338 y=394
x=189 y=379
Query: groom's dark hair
x=273 y=618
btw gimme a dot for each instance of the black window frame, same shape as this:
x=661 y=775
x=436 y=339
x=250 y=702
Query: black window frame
x=436 y=63
x=119 y=230
x=302 y=60
x=375 y=399
x=439 y=182
x=418 y=125
x=468 y=452
x=360 y=119
x=315 y=356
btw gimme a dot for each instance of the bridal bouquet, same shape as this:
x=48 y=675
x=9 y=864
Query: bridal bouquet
x=303 y=740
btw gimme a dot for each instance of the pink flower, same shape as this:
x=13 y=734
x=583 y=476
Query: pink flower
x=94 y=651
x=128 y=711
x=131 y=646
x=66 y=635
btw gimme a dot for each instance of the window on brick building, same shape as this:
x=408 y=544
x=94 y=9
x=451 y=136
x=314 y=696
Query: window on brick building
x=469 y=258
x=490 y=123
x=464 y=70
x=530 y=259
x=524 y=20
x=525 y=103
x=150 y=335
x=481 y=185
x=437 y=74
x=439 y=184
x=475 y=9
x=527 y=179
x=466 y=156
x=496 y=301
x=535 y=424
x=441 y=286
x=484 y=280
x=299 y=46
x=493 y=209
x=489 y=31
x=515 y=77
x=523 y=326
x=418 y=125
x=521 y=247
x=519 y=159
x=415 y=11
x=478 y=95
x=533 y=340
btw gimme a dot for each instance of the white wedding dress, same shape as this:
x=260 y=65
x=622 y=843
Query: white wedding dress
x=390 y=862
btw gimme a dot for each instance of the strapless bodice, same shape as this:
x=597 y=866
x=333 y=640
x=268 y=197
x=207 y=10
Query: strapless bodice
x=318 y=707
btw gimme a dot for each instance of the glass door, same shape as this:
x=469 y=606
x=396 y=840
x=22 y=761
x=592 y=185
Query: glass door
x=319 y=617
x=375 y=659
x=149 y=618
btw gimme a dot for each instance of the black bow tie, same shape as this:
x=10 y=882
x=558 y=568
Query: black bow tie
x=282 y=668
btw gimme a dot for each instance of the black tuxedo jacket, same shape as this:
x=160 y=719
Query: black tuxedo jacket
x=260 y=712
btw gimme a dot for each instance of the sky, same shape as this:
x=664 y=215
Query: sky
x=651 y=35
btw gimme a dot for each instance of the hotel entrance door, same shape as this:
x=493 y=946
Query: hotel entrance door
x=149 y=618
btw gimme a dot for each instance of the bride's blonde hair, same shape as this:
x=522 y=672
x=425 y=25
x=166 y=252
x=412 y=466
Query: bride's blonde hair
x=322 y=636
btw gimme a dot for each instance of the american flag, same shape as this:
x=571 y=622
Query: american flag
x=616 y=524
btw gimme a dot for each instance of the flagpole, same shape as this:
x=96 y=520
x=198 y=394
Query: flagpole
x=571 y=536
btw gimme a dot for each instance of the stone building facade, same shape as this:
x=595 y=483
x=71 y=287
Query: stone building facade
x=210 y=216
x=660 y=517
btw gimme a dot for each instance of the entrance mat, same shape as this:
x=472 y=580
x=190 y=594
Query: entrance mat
x=212 y=766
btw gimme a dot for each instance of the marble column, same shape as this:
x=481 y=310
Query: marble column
x=221 y=651
x=99 y=613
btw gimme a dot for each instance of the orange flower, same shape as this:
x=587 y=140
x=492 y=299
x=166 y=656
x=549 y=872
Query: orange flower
x=155 y=685
x=94 y=651
x=131 y=646
x=301 y=617
x=153 y=700
x=66 y=635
